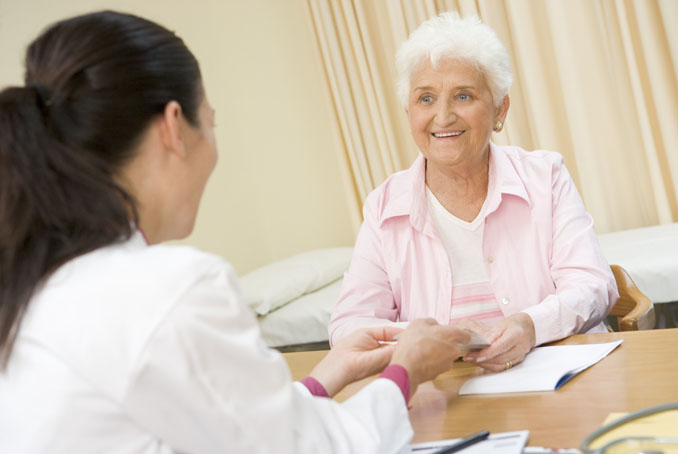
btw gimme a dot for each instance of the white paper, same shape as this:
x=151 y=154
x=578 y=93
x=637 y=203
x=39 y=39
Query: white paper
x=544 y=369
x=499 y=443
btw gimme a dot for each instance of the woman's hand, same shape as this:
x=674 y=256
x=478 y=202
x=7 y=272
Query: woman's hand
x=510 y=340
x=426 y=349
x=355 y=357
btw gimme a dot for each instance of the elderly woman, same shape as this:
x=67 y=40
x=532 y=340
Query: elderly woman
x=492 y=238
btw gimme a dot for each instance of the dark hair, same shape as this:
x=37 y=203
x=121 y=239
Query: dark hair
x=93 y=85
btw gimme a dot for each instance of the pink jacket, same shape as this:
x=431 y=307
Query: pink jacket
x=541 y=252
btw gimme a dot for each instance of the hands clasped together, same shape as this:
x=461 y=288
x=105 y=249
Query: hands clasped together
x=425 y=349
x=510 y=340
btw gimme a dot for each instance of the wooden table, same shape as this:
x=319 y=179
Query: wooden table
x=641 y=372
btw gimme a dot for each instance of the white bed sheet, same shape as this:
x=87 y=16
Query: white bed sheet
x=303 y=320
x=650 y=255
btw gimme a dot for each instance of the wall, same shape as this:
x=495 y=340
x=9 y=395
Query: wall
x=277 y=189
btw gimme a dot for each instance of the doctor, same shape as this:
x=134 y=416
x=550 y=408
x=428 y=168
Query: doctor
x=110 y=342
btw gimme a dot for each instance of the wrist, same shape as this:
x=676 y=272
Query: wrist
x=331 y=387
x=528 y=326
x=314 y=387
x=331 y=378
x=412 y=376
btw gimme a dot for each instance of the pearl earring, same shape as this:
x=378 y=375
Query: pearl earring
x=498 y=126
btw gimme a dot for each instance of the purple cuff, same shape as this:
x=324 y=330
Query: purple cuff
x=398 y=374
x=317 y=389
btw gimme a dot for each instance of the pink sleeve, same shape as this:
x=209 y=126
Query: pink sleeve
x=395 y=372
x=585 y=286
x=314 y=387
x=366 y=297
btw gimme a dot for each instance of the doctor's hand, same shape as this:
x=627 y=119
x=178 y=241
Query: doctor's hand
x=426 y=349
x=355 y=357
x=510 y=340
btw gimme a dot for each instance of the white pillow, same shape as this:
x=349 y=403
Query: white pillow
x=303 y=320
x=278 y=283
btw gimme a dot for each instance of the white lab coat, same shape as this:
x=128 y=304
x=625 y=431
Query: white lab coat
x=150 y=349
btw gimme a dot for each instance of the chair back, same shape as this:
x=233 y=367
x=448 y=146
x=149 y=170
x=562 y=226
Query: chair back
x=634 y=310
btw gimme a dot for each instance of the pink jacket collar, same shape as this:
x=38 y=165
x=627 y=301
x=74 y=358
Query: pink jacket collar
x=406 y=194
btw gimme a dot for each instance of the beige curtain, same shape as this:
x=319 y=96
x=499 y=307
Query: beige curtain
x=595 y=80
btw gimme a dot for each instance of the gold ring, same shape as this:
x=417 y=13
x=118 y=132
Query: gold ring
x=509 y=364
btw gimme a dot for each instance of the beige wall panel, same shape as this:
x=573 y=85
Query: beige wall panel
x=277 y=189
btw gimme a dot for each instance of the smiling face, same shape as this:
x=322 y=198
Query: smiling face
x=452 y=113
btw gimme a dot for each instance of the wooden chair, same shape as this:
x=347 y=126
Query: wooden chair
x=634 y=310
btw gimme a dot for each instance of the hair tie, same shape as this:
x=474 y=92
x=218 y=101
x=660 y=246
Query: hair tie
x=43 y=95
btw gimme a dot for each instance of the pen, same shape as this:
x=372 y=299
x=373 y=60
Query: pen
x=393 y=342
x=465 y=443
x=540 y=450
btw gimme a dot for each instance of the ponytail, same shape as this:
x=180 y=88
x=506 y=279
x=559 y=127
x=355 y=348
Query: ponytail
x=55 y=204
x=93 y=85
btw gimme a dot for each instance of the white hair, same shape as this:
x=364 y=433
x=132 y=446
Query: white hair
x=450 y=36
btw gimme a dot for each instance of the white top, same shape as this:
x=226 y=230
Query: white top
x=472 y=294
x=138 y=349
x=462 y=240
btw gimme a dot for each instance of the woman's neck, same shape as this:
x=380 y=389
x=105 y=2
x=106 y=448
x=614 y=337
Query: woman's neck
x=461 y=188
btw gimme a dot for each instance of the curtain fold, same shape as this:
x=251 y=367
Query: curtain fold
x=593 y=80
